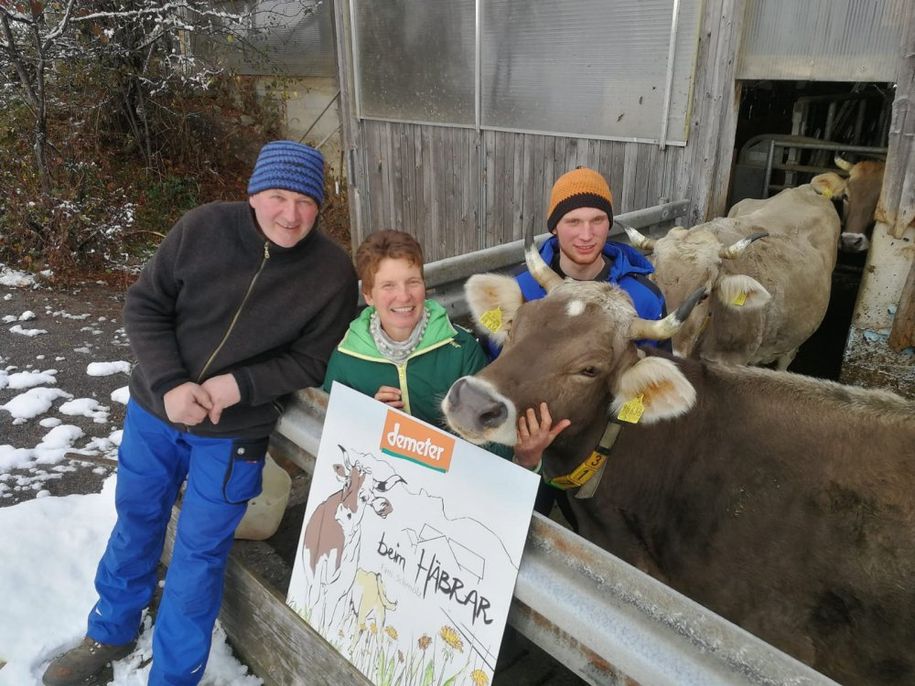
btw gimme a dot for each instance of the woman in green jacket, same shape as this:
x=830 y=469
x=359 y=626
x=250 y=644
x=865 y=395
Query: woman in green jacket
x=404 y=351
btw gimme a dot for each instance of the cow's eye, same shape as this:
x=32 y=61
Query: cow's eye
x=590 y=372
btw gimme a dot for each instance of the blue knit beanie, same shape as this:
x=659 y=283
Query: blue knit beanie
x=289 y=166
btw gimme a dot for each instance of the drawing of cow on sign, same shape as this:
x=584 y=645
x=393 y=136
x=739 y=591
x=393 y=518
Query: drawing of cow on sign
x=333 y=533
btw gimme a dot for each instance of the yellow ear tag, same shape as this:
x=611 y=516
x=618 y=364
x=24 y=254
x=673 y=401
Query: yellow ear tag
x=632 y=410
x=492 y=319
x=827 y=194
x=740 y=299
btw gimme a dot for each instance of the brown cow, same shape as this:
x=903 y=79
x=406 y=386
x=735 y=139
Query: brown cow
x=862 y=192
x=781 y=502
x=766 y=300
x=858 y=194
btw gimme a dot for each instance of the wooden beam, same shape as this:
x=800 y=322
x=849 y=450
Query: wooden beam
x=273 y=640
x=903 y=333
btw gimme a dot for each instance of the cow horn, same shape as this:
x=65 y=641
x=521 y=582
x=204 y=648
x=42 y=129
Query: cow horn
x=842 y=163
x=665 y=328
x=639 y=240
x=736 y=249
x=540 y=270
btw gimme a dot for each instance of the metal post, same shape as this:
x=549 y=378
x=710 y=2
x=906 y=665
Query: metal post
x=669 y=80
x=768 y=178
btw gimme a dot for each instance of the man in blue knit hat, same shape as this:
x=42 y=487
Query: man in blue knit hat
x=242 y=303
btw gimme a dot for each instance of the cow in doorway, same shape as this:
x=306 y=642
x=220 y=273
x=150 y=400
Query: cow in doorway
x=857 y=196
x=783 y=503
x=766 y=297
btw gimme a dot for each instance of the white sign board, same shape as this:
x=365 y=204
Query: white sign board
x=410 y=546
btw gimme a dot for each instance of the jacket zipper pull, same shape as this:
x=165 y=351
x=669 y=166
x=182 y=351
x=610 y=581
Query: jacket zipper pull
x=266 y=251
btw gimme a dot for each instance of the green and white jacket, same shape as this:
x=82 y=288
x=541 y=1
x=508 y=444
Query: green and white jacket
x=445 y=354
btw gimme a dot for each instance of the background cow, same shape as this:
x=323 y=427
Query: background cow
x=783 y=503
x=766 y=298
x=857 y=198
x=862 y=192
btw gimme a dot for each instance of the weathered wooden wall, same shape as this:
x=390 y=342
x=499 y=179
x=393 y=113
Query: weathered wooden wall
x=460 y=189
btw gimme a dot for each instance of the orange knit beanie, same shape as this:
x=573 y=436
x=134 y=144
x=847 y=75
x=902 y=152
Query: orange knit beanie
x=581 y=187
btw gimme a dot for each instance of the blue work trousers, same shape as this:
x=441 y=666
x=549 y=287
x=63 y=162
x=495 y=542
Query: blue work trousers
x=153 y=461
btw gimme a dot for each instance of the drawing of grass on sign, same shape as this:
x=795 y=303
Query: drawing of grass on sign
x=431 y=661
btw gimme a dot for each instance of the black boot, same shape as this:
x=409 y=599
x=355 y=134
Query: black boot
x=78 y=665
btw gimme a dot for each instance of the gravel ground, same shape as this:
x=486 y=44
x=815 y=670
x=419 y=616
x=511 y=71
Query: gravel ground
x=83 y=325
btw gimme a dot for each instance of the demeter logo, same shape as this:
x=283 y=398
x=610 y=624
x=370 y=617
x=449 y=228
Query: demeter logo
x=407 y=439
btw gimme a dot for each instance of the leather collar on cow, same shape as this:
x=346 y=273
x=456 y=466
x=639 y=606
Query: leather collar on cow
x=593 y=466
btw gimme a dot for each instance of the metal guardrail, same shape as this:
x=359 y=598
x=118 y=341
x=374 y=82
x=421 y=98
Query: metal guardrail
x=445 y=278
x=605 y=620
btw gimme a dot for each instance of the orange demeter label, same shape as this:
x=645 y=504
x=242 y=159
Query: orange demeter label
x=408 y=439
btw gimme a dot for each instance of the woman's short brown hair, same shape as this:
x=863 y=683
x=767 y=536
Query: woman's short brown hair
x=385 y=244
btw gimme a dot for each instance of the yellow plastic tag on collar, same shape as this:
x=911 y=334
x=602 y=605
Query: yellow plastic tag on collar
x=632 y=410
x=740 y=299
x=582 y=474
x=492 y=319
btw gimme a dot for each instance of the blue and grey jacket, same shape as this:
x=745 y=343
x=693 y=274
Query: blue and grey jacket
x=628 y=269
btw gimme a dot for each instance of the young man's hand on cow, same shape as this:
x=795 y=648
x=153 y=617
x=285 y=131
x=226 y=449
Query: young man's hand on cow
x=536 y=436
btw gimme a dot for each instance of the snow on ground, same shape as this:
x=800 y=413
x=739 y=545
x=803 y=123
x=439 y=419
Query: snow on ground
x=17 y=328
x=120 y=395
x=11 y=277
x=51 y=545
x=29 y=379
x=58 y=542
x=86 y=407
x=108 y=368
x=33 y=402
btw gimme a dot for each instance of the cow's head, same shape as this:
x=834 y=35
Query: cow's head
x=572 y=349
x=685 y=260
x=364 y=482
x=862 y=192
x=353 y=475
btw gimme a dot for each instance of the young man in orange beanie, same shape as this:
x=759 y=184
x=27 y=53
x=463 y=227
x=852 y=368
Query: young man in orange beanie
x=579 y=216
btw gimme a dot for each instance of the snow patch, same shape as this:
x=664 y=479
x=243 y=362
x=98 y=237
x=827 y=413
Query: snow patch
x=86 y=407
x=27 y=332
x=17 y=279
x=119 y=395
x=108 y=368
x=30 y=379
x=33 y=402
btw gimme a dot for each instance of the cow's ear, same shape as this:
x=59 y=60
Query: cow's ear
x=652 y=389
x=740 y=292
x=493 y=299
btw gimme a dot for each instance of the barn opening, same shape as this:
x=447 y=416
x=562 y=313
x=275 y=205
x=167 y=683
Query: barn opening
x=785 y=135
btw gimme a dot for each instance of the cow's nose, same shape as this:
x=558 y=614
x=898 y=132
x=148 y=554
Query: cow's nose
x=494 y=414
x=472 y=401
